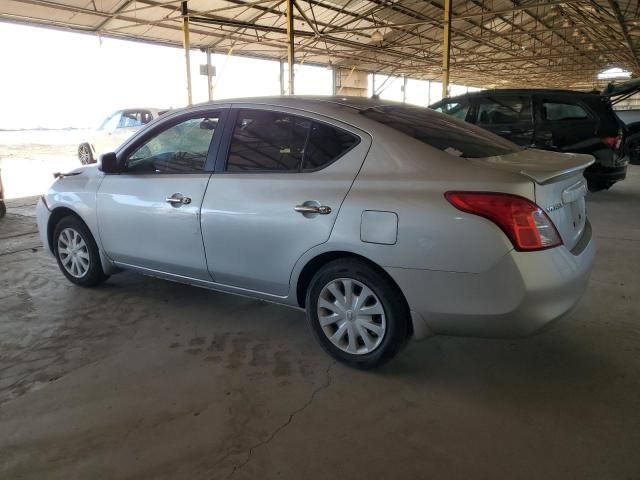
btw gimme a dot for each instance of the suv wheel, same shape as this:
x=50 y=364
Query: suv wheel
x=77 y=253
x=357 y=315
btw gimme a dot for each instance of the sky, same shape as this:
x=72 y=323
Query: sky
x=56 y=79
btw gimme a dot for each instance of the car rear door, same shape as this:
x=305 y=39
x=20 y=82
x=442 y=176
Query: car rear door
x=149 y=215
x=279 y=184
x=507 y=115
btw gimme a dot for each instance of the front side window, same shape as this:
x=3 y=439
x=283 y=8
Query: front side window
x=182 y=148
x=503 y=110
x=441 y=132
x=266 y=141
x=454 y=109
x=554 y=111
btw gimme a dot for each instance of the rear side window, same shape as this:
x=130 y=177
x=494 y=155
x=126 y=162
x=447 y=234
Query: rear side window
x=325 y=145
x=503 y=110
x=455 y=109
x=266 y=141
x=554 y=111
x=441 y=132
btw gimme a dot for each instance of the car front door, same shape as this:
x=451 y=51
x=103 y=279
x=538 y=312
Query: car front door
x=509 y=116
x=149 y=215
x=275 y=194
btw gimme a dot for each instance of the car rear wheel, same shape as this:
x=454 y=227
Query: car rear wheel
x=77 y=253
x=85 y=154
x=357 y=314
x=633 y=149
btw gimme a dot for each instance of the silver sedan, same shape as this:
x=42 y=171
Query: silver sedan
x=383 y=221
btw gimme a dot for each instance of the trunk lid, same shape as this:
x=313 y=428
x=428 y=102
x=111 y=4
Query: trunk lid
x=617 y=92
x=560 y=187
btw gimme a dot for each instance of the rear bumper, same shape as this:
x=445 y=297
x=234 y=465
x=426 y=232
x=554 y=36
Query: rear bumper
x=520 y=295
x=600 y=173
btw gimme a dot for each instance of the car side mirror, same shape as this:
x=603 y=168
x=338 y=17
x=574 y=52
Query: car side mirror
x=108 y=163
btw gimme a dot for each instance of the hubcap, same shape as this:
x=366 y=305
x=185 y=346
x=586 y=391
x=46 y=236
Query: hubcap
x=73 y=253
x=351 y=316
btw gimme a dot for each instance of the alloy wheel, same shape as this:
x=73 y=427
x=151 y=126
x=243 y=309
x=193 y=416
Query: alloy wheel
x=85 y=154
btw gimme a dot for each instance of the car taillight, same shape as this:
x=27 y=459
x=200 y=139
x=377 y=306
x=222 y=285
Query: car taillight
x=612 y=142
x=527 y=226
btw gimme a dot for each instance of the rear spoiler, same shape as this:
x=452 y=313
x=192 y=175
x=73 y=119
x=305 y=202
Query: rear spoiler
x=542 y=177
x=541 y=166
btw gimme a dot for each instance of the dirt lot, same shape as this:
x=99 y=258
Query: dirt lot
x=147 y=379
x=29 y=158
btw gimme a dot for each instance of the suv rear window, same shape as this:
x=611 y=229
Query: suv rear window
x=441 y=132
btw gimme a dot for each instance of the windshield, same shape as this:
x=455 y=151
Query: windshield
x=439 y=131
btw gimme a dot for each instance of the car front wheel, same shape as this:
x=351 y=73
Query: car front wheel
x=357 y=314
x=85 y=155
x=77 y=253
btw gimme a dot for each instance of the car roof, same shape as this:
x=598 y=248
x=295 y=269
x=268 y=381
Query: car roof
x=521 y=91
x=342 y=108
x=357 y=103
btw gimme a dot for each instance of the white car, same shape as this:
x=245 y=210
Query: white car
x=383 y=221
x=114 y=130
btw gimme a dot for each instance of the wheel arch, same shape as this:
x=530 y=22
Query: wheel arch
x=316 y=263
x=61 y=212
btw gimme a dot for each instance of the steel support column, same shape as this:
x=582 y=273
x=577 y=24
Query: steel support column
x=404 y=89
x=185 y=42
x=446 y=48
x=282 y=88
x=209 y=78
x=290 y=39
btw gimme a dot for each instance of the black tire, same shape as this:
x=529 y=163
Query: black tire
x=396 y=312
x=94 y=274
x=633 y=150
x=3 y=209
x=85 y=154
x=598 y=185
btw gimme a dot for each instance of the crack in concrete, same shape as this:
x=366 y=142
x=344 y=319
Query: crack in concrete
x=292 y=415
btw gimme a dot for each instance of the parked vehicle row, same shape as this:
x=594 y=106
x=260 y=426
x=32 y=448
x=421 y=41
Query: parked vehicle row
x=383 y=221
x=556 y=120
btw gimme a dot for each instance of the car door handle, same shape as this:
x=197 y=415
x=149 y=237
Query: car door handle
x=321 y=209
x=178 y=199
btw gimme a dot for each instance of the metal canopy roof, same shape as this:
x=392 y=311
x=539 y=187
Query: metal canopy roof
x=493 y=42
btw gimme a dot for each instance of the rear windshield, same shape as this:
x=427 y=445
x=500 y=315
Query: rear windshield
x=440 y=131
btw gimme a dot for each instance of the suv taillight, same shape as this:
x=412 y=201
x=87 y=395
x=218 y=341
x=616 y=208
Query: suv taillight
x=612 y=142
x=526 y=225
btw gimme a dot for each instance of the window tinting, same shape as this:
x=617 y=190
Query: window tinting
x=455 y=109
x=267 y=141
x=501 y=110
x=562 y=111
x=182 y=148
x=439 y=131
x=325 y=145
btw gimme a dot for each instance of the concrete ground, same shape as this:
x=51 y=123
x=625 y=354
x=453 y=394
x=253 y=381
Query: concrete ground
x=146 y=379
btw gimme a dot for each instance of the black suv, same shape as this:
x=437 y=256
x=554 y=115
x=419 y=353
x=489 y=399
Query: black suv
x=559 y=120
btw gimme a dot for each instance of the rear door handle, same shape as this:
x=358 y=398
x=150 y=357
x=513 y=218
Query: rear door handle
x=178 y=199
x=321 y=209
